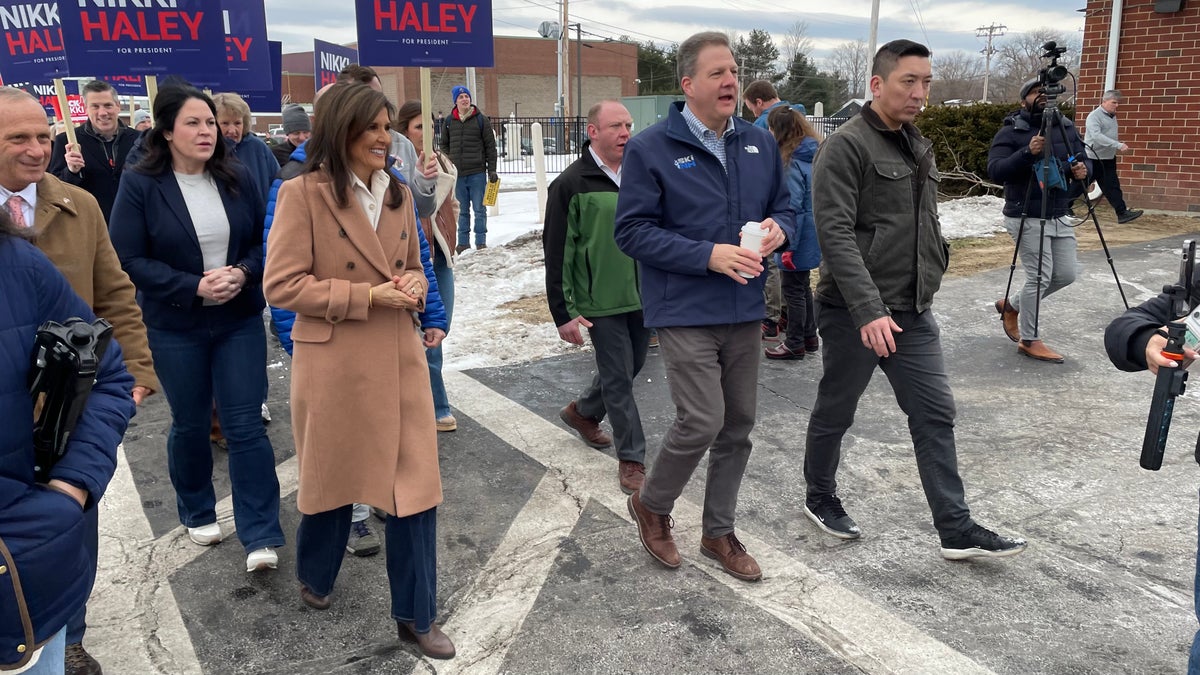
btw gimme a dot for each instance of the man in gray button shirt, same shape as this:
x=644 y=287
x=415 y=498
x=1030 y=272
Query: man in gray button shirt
x=1103 y=148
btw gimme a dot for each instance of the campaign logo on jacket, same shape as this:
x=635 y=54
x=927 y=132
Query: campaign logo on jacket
x=688 y=162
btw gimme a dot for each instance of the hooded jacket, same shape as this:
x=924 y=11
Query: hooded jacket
x=806 y=252
x=1011 y=163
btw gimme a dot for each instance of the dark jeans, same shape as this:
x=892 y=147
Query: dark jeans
x=91 y=541
x=1105 y=173
x=225 y=362
x=620 y=343
x=1194 y=655
x=802 y=317
x=713 y=375
x=469 y=193
x=917 y=373
x=445 y=282
x=411 y=545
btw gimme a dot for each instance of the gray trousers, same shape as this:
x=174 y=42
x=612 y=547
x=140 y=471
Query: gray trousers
x=1059 y=266
x=620 y=343
x=772 y=291
x=713 y=375
x=917 y=373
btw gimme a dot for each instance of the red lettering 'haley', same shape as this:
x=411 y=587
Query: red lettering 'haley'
x=37 y=41
x=424 y=17
x=162 y=27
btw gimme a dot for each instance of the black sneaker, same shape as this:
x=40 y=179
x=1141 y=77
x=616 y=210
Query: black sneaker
x=1128 y=216
x=79 y=662
x=980 y=542
x=770 y=330
x=827 y=513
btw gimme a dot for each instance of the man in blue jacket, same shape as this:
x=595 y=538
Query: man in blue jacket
x=688 y=186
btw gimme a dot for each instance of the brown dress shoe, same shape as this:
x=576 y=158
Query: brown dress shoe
x=435 y=644
x=313 y=600
x=588 y=428
x=781 y=352
x=655 y=532
x=631 y=475
x=79 y=662
x=732 y=555
x=1009 y=316
x=1036 y=349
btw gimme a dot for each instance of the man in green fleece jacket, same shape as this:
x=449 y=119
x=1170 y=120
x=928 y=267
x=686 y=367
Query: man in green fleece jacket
x=591 y=283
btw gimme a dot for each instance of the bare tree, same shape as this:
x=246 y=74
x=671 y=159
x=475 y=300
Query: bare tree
x=851 y=62
x=957 y=75
x=795 y=41
x=1020 y=58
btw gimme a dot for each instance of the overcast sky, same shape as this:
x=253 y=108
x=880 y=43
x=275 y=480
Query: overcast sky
x=943 y=24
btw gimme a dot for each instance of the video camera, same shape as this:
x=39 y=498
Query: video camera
x=1050 y=78
x=65 y=361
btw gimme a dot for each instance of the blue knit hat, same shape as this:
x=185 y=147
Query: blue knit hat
x=459 y=91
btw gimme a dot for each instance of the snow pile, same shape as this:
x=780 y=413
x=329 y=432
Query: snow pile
x=971 y=217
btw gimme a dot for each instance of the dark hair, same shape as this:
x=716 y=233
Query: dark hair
x=158 y=158
x=889 y=54
x=408 y=111
x=690 y=50
x=342 y=115
x=789 y=128
x=357 y=73
x=760 y=90
x=99 y=87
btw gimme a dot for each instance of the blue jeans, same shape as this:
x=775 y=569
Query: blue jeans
x=224 y=361
x=445 y=282
x=52 y=658
x=469 y=193
x=411 y=545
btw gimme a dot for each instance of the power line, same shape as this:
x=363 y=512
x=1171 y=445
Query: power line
x=989 y=32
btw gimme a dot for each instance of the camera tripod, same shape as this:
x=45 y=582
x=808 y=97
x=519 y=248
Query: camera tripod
x=1042 y=174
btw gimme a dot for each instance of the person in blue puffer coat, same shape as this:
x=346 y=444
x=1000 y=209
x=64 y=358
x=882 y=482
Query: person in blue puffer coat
x=797 y=145
x=44 y=564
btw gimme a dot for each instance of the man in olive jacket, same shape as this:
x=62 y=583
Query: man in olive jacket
x=875 y=202
x=591 y=283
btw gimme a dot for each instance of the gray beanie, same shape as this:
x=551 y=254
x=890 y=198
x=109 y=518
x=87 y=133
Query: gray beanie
x=295 y=119
x=140 y=115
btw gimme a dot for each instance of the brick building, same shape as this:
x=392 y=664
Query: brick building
x=525 y=79
x=1158 y=72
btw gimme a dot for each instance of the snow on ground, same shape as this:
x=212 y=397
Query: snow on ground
x=511 y=268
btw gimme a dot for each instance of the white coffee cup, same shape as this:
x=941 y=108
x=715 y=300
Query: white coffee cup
x=752 y=240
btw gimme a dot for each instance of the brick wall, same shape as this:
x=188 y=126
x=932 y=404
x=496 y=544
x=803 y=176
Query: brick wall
x=1158 y=72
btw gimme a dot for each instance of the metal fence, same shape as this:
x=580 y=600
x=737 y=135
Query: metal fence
x=563 y=138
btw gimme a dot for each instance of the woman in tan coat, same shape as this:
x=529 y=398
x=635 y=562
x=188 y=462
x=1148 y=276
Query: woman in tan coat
x=343 y=254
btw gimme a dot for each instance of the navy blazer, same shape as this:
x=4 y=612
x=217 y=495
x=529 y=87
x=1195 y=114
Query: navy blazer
x=156 y=241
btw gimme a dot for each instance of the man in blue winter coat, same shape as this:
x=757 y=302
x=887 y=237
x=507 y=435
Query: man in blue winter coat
x=688 y=186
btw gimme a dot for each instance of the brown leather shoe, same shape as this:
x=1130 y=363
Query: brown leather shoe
x=1009 y=316
x=781 y=352
x=462 y=247
x=435 y=644
x=631 y=475
x=1036 y=349
x=732 y=555
x=655 y=532
x=588 y=428
x=313 y=600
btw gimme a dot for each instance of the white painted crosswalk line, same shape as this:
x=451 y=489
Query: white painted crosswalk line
x=850 y=626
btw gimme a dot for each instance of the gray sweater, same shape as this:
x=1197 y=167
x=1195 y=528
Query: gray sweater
x=1101 y=138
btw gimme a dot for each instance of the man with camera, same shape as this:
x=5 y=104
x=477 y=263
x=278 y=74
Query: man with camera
x=1047 y=247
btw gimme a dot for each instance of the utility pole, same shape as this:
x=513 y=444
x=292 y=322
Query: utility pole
x=989 y=32
x=871 y=48
x=564 y=85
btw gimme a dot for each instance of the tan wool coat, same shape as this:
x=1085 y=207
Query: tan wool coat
x=362 y=411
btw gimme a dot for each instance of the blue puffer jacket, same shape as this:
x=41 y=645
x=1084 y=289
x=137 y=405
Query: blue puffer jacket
x=41 y=530
x=434 y=315
x=806 y=252
x=677 y=201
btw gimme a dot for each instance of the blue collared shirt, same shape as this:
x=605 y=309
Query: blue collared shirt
x=714 y=143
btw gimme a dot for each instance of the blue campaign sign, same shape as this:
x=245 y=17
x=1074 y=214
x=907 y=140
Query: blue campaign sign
x=247 y=53
x=184 y=37
x=33 y=42
x=328 y=61
x=44 y=94
x=129 y=85
x=269 y=101
x=441 y=33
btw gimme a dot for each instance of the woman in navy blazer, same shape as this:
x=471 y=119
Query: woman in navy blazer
x=187 y=226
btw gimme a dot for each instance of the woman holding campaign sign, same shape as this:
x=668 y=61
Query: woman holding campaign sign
x=187 y=225
x=344 y=255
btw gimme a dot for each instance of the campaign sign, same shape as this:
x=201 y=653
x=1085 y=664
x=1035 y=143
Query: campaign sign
x=144 y=37
x=247 y=53
x=77 y=106
x=128 y=85
x=33 y=42
x=45 y=95
x=328 y=61
x=430 y=33
x=269 y=101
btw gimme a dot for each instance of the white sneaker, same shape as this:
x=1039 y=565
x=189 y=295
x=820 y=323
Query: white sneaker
x=266 y=414
x=205 y=535
x=262 y=559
